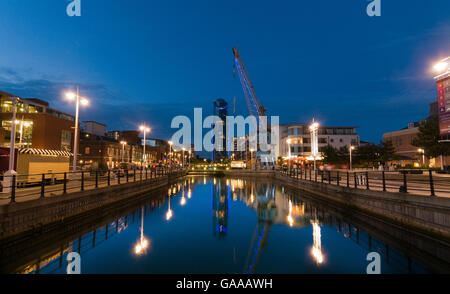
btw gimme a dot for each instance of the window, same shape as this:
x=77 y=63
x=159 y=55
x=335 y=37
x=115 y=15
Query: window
x=340 y=140
x=322 y=140
x=87 y=150
x=331 y=140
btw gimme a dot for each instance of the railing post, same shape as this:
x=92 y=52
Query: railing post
x=329 y=177
x=405 y=184
x=140 y=175
x=126 y=174
x=367 y=180
x=384 y=181
x=96 y=179
x=65 y=183
x=134 y=174
x=315 y=176
x=43 y=186
x=13 y=189
x=338 y=179
x=323 y=172
x=109 y=177
x=356 y=180
x=431 y=182
x=146 y=173
x=348 y=179
x=118 y=176
x=82 y=181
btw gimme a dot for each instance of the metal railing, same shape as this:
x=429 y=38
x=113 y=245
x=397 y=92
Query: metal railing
x=425 y=183
x=19 y=188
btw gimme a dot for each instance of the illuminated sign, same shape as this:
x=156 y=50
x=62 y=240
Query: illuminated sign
x=443 y=88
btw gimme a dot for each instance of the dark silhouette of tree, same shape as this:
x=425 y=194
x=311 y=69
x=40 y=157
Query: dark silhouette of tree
x=428 y=139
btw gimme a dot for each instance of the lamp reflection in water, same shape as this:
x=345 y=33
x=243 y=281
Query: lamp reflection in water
x=169 y=213
x=290 y=219
x=316 y=250
x=183 y=199
x=142 y=244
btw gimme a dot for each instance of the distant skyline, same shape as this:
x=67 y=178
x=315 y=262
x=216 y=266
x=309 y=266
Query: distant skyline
x=149 y=61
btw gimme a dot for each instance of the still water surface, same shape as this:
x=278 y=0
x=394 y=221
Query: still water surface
x=221 y=225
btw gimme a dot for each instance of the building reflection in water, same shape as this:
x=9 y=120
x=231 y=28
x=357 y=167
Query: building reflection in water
x=219 y=197
x=142 y=244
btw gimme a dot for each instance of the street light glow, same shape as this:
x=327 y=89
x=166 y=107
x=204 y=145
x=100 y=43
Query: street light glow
x=70 y=95
x=441 y=66
x=144 y=128
x=84 y=101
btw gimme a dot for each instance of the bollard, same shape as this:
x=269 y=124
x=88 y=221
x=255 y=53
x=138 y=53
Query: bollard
x=43 y=186
x=65 y=184
x=405 y=189
x=431 y=183
x=384 y=181
x=13 y=189
x=367 y=180
x=82 y=181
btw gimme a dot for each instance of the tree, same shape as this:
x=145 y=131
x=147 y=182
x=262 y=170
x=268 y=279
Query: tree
x=333 y=155
x=387 y=152
x=428 y=139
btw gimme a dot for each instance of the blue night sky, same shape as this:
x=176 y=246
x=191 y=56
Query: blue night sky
x=147 y=60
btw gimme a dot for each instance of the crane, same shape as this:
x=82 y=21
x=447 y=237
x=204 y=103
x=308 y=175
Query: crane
x=254 y=105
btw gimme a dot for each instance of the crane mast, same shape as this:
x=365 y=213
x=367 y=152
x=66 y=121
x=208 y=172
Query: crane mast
x=254 y=105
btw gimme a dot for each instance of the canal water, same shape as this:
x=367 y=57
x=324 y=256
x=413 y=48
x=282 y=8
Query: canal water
x=223 y=225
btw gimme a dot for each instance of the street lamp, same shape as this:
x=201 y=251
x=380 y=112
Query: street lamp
x=189 y=163
x=251 y=158
x=350 y=149
x=75 y=96
x=123 y=143
x=145 y=130
x=183 y=155
x=170 y=153
x=442 y=66
x=314 y=127
x=288 y=141
x=420 y=150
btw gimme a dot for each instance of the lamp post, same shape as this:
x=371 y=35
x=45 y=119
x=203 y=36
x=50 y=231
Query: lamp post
x=123 y=143
x=145 y=130
x=183 y=155
x=288 y=141
x=421 y=151
x=314 y=127
x=189 y=163
x=350 y=149
x=251 y=158
x=170 y=153
x=78 y=100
